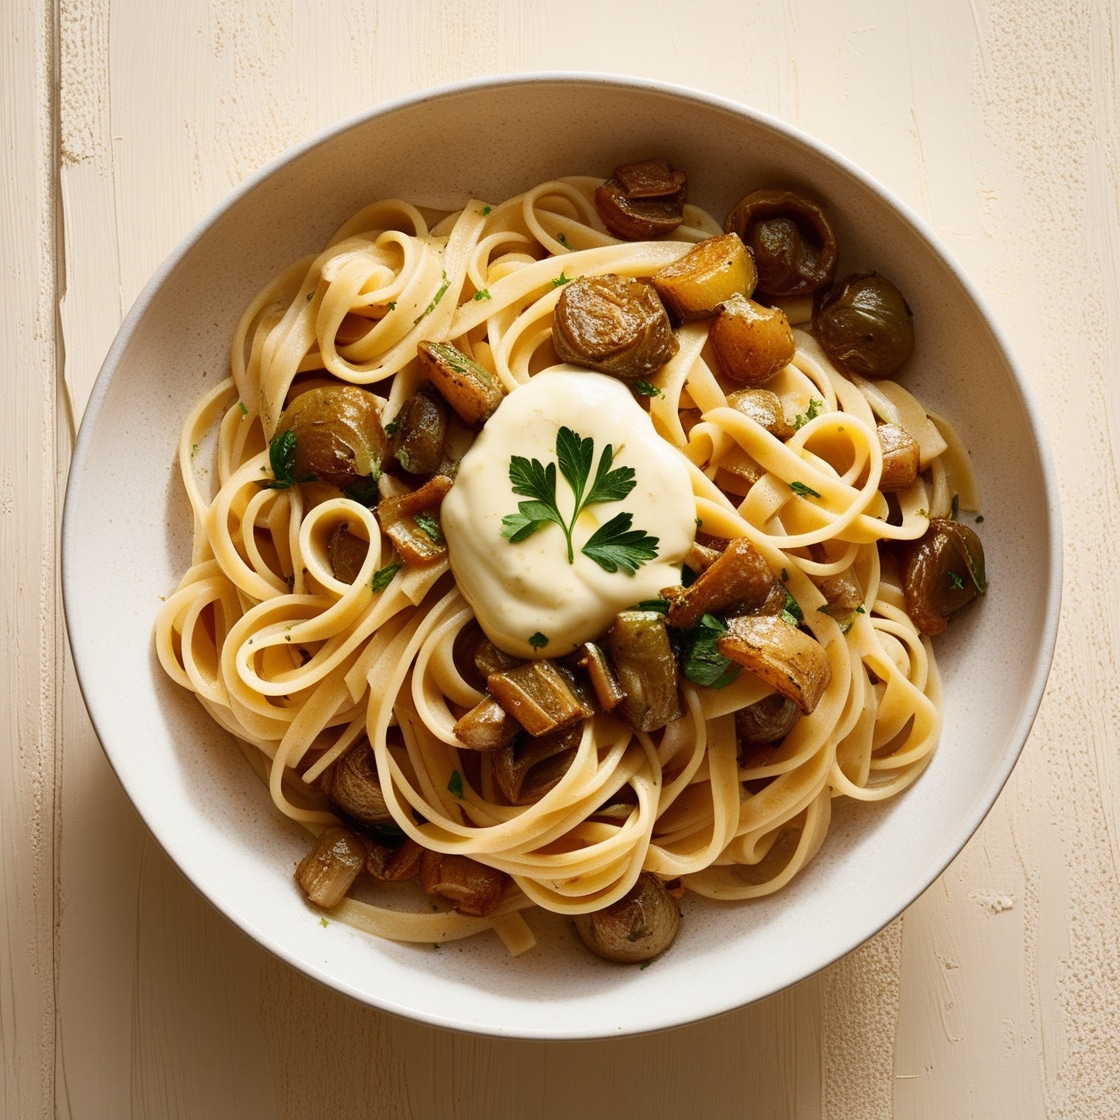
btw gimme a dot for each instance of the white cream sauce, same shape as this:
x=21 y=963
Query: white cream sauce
x=529 y=588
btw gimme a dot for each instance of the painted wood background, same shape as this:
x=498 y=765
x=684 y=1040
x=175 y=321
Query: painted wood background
x=122 y=994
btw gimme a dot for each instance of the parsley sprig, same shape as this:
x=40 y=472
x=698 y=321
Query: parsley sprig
x=615 y=544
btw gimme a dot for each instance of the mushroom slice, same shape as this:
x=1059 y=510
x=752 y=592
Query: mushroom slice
x=600 y=672
x=411 y=521
x=332 y=433
x=901 y=458
x=711 y=272
x=540 y=696
x=419 y=429
x=751 y=342
x=792 y=239
x=613 y=324
x=764 y=408
x=527 y=770
x=642 y=200
x=472 y=391
x=943 y=571
x=643 y=659
x=487 y=726
x=347 y=553
x=786 y=658
x=353 y=785
x=766 y=721
x=638 y=927
x=740 y=580
x=328 y=871
x=844 y=598
x=472 y=887
x=389 y=862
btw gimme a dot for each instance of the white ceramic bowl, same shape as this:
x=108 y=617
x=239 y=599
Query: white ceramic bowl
x=127 y=529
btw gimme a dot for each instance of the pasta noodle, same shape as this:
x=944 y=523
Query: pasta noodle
x=300 y=664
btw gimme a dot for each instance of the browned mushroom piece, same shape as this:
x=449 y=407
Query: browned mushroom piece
x=347 y=553
x=638 y=927
x=766 y=721
x=615 y=325
x=739 y=581
x=328 y=871
x=786 y=658
x=540 y=695
x=594 y=661
x=333 y=434
x=901 y=458
x=751 y=342
x=765 y=409
x=792 y=239
x=643 y=660
x=487 y=726
x=472 y=391
x=943 y=571
x=411 y=521
x=473 y=888
x=353 y=785
x=865 y=324
x=843 y=598
x=711 y=272
x=526 y=770
x=642 y=200
x=419 y=429
x=392 y=861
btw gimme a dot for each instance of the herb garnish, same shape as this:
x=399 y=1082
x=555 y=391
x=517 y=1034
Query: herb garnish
x=282 y=458
x=455 y=784
x=701 y=661
x=802 y=490
x=810 y=413
x=427 y=523
x=538 y=640
x=646 y=389
x=384 y=576
x=613 y=545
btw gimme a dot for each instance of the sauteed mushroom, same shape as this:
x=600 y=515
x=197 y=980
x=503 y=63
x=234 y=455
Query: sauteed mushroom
x=639 y=926
x=642 y=200
x=866 y=325
x=943 y=571
x=333 y=434
x=751 y=342
x=614 y=324
x=792 y=239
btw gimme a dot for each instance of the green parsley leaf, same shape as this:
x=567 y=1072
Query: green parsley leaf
x=538 y=641
x=481 y=294
x=810 y=413
x=428 y=523
x=955 y=581
x=384 y=576
x=243 y=408
x=282 y=459
x=802 y=490
x=646 y=389
x=614 y=545
x=701 y=662
x=486 y=210
x=455 y=785
x=435 y=300
x=561 y=280
x=792 y=612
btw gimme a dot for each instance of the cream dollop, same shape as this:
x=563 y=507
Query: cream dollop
x=519 y=591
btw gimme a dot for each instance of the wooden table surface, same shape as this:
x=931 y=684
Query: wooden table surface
x=123 y=994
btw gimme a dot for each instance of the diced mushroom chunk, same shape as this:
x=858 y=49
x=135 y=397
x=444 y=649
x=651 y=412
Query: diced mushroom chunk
x=638 y=927
x=328 y=871
x=419 y=432
x=471 y=390
x=526 y=770
x=789 y=660
x=615 y=325
x=353 y=785
x=711 y=272
x=643 y=660
x=388 y=862
x=487 y=726
x=642 y=200
x=766 y=721
x=739 y=581
x=751 y=341
x=764 y=408
x=901 y=458
x=472 y=887
x=943 y=571
x=540 y=696
x=411 y=521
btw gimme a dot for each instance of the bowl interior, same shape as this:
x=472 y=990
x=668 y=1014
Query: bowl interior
x=127 y=534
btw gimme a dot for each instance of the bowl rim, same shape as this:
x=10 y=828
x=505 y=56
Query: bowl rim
x=985 y=798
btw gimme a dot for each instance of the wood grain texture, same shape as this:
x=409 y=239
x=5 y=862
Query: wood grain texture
x=123 y=994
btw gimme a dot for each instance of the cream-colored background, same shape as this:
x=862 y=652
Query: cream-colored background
x=122 y=994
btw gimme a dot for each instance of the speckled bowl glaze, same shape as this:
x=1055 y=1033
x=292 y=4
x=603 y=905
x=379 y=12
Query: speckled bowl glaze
x=127 y=527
